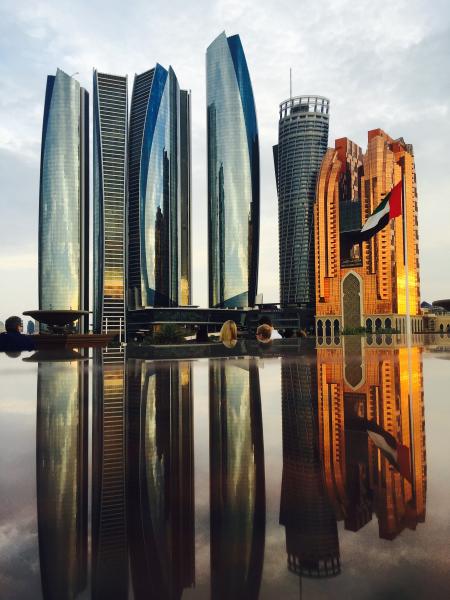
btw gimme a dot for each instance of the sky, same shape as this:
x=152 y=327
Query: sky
x=382 y=64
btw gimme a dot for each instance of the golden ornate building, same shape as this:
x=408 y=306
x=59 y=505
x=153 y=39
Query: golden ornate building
x=371 y=383
x=362 y=284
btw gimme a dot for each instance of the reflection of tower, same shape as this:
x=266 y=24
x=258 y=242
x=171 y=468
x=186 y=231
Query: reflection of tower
x=312 y=540
x=109 y=536
x=371 y=385
x=61 y=465
x=237 y=480
x=161 y=479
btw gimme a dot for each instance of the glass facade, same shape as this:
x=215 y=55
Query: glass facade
x=302 y=143
x=109 y=569
x=161 y=478
x=64 y=198
x=110 y=152
x=62 y=476
x=233 y=176
x=156 y=199
x=237 y=485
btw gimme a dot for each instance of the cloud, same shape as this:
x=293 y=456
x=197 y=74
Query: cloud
x=382 y=64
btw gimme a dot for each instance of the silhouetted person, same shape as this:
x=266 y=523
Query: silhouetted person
x=13 y=340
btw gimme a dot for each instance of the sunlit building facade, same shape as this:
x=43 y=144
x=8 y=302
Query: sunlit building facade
x=364 y=381
x=110 y=155
x=362 y=284
x=302 y=143
x=233 y=176
x=64 y=198
x=159 y=192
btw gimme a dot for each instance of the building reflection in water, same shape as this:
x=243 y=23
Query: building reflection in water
x=61 y=475
x=161 y=479
x=312 y=542
x=372 y=383
x=237 y=486
x=109 y=527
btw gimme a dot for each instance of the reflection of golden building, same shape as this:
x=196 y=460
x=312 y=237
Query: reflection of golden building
x=109 y=530
x=61 y=476
x=237 y=479
x=371 y=383
x=160 y=479
x=363 y=283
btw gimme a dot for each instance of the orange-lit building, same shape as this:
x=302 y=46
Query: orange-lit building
x=371 y=383
x=362 y=284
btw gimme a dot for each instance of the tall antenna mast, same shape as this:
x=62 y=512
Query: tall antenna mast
x=290 y=82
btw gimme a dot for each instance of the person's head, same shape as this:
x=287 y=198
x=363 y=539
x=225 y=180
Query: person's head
x=264 y=333
x=228 y=334
x=14 y=324
x=265 y=320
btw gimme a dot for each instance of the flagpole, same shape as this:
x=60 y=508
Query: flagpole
x=405 y=242
x=408 y=335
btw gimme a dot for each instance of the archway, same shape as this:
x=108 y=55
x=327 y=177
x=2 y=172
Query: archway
x=351 y=300
x=319 y=328
x=336 y=327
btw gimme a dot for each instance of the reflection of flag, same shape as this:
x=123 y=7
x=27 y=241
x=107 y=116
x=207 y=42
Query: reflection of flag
x=396 y=453
x=389 y=208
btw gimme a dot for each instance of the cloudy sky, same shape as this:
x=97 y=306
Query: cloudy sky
x=382 y=64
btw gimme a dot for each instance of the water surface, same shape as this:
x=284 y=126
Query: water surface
x=243 y=475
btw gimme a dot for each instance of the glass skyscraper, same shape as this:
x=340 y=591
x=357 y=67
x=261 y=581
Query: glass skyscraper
x=233 y=176
x=302 y=143
x=159 y=191
x=64 y=198
x=110 y=153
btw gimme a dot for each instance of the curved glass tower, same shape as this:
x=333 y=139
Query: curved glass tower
x=233 y=176
x=110 y=140
x=64 y=197
x=157 y=158
x=302 y=143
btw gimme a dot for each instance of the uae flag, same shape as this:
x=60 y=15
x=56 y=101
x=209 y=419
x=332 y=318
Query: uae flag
x=389 y=208
x=398 y=455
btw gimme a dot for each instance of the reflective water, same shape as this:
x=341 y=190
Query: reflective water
x=250 y=475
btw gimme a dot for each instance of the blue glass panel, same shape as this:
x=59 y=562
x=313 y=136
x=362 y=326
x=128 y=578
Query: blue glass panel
x=233 y=176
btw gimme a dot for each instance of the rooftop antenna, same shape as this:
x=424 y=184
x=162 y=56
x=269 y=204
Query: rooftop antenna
x=290 y=82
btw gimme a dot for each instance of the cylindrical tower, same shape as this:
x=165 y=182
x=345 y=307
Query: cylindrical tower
x=302 y=143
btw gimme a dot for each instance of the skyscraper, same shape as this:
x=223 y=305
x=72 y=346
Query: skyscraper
x=64 y=198
x=362 y=283
x=159 y=191
x=302 y=142
x=233 y=176
x=185 y=214
x=110 y=153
